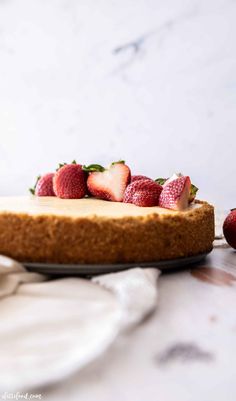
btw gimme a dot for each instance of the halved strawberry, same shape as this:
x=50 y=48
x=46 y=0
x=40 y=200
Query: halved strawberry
x=108 y=184
x=166 y=181
x=43 y=185
x=175 y=195
x=145 y=192
x=69 y=181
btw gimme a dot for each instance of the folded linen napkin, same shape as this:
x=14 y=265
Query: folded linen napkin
x=51 y=328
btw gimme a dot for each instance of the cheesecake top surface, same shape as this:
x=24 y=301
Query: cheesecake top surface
x=85 y=207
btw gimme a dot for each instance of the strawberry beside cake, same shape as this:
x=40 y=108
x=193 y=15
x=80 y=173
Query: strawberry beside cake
x=89 y=214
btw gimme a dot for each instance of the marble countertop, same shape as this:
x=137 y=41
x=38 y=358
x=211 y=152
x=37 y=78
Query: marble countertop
x=184 y=352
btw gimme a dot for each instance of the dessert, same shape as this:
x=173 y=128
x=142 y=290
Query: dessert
x=49 y=229
x=119 y=220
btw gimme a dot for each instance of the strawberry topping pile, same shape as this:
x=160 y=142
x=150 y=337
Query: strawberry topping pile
x=115 y=183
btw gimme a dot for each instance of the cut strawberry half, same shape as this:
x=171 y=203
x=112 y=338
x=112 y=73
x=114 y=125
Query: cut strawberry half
x=175 y=195
x=108 y=184
x=165 y=181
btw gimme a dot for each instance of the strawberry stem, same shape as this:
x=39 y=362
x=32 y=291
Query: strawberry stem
x=93 y=167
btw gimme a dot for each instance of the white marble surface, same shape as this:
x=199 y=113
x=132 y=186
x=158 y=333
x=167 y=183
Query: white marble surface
x=184 y=352
x=151 y=81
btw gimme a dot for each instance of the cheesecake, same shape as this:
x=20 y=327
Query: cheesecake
x=94 y=231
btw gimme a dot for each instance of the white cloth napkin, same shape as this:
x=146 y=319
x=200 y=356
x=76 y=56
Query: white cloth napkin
x=51 y=328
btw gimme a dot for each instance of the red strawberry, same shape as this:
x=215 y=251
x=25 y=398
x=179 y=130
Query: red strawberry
x=44 y=186
x=144 y=192
x=175 y=195
x=166 y=181
x=108 y=184
x=145 y=199
x=69 y=182
x=139 y=177
x=229 y=228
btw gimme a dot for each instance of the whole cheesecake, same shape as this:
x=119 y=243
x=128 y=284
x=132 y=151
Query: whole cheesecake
x=90 y=231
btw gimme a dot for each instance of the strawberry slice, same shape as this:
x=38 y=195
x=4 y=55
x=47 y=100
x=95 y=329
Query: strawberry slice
x=108 y=184
x=175 y=195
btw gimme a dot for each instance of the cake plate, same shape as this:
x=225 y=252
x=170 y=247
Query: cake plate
x=92 y=269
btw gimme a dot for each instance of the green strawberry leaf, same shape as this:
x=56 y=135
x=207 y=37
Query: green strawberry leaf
x=161 y=181
x=93 y=167
x=60 y=166
x=193 y=190
x=32 y=190
x=119 y=162
x=64 y=164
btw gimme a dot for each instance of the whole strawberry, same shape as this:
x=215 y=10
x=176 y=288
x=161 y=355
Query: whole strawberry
x=175 y=194
x=108 y=184
x=229 y=228
x=69 y=182
x=44 y=186
x=144 y=192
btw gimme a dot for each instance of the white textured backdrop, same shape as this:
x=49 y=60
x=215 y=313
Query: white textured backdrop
x=151 y=81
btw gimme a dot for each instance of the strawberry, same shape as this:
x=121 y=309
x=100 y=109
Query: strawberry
x=172 y=178
x=108 y=184
x=139 y=177
x=229 y=228
x=166 y=181
x=145 y=192
x=44 y=186
x=69 y=181
x=145 y=198
x=175 y=195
